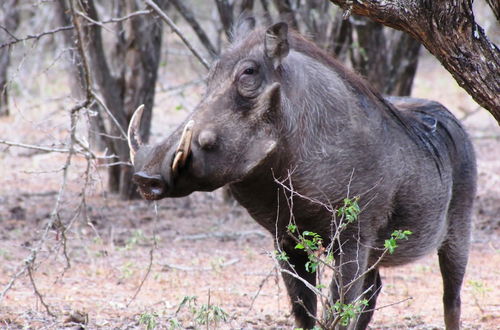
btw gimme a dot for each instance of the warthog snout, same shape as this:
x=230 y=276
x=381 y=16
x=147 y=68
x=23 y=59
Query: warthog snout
x=152 y=187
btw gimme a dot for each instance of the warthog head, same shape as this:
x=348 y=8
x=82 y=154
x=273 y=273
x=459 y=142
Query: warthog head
x=232 y=131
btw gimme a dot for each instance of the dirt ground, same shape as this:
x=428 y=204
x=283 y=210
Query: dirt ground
x=200 y=246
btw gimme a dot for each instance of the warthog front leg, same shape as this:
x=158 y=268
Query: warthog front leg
x=300 y=295
x=350 y=286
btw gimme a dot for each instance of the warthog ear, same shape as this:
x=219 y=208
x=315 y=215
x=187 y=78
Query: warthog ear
x=276 y=43
x=243 y=26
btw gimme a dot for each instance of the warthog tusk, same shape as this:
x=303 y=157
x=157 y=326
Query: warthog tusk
x=184 y=147
x=133 y=133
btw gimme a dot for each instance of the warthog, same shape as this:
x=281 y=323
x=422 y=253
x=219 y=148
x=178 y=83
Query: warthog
x=280 y=113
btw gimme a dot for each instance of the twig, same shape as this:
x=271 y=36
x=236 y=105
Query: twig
x=29 y=266
x=189 y=269
x=226 y=235
x=261 y=285
x=9 y=33
x=113 y=20
x=150 y=265
x=71 y=27
x=14 y=278
x=110 y=114
x=188 y=15
x=151 y=255
x=36 y=36
x=176 y=30
x=34 y=147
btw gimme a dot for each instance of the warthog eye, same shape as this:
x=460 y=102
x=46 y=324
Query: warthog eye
x=249 y=71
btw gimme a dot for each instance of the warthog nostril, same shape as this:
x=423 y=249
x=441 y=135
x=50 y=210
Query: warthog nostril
x=207 y=139
x=149 y=184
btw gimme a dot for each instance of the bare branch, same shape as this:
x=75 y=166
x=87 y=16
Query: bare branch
x=188 y=15
x=71 y=27
x=37 y=36
x=35 y=288
x=34 y=147
x=176 y=30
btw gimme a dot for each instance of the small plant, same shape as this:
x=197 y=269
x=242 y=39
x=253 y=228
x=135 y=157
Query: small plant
x=149 y=320
x=174 y=323
x=310 y=240
x=347 y=312
x=281 y=255
x=322 y=257
x=136 y=238
x=390 y=244
x=479 y=291
x=205 y=314
x=127 y=269
x=350 y=210
x=311 y=243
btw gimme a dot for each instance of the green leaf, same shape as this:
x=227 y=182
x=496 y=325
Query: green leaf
x=300 y=246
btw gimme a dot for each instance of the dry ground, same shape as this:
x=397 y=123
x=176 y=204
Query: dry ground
x=204 y=247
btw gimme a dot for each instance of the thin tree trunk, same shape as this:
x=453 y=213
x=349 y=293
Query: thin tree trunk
x=131 y=83
x=142 y=61
x=495 y=7
x=370 y=53
x=287 y=14
x=402 y=65
x=225 y=10
x=451 y=34
x=9 y=20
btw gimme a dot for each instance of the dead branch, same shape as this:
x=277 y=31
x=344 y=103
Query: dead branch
x=29 y=266
x=70 y=27
x=188 y=15
x=261 y=285
x=190 y=269
x=34 y=147
x=151 y=255
x=176 y=30
x=221 y=235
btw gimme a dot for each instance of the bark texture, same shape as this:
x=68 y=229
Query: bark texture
x=448 y=30
x=124 y=75
x=9 y=20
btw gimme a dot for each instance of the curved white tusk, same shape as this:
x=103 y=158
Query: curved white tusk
x=133 y=133
x=184 y=147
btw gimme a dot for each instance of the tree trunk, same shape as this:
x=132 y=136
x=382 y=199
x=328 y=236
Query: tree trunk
x=9 y=19
x=387 y=58
x=369 y=55
x=225 y=10
x=124 y=82
x=142 y=61
x=287 y=14
x=451 y=34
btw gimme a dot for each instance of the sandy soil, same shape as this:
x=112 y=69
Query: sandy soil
x=204 y=247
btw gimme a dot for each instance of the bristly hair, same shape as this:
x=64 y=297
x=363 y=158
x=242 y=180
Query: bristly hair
x=414 y=129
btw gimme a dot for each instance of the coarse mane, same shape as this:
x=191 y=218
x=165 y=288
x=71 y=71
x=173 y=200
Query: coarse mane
x=415 y=129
